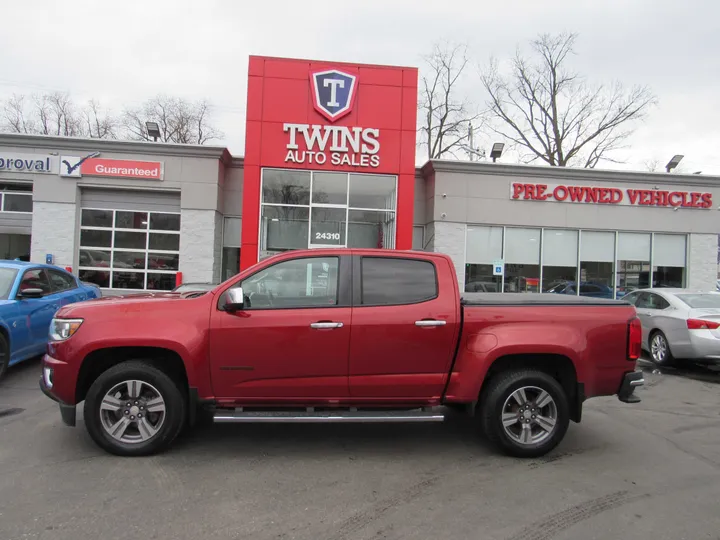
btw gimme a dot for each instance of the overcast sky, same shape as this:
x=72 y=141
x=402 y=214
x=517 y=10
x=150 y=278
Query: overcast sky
x=122 y=52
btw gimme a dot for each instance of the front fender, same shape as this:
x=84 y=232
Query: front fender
x=479 y=350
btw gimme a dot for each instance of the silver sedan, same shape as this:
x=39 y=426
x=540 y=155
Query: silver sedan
x=679 y=324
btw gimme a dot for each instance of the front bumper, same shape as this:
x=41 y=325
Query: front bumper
x=67 y=412
x=630 y=382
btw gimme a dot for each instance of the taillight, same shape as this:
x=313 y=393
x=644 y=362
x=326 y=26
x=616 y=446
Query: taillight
x=634 y=339
x=699 y=324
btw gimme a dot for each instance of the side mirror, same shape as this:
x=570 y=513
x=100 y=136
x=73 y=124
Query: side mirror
x=30 y=293
x=234 y=299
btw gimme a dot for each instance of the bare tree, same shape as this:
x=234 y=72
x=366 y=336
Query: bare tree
x=98 y=123
x=15 y=117
x=552 y=114
x=445 y=114
x=56 y=113
x=180 y=121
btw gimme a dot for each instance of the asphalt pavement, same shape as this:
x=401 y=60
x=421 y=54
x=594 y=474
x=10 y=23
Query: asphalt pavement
x=645 y=471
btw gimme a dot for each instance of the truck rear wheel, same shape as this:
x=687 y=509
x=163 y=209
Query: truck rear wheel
x=134 y=409
x=525 y=412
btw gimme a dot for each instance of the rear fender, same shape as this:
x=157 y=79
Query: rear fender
x=478 y=351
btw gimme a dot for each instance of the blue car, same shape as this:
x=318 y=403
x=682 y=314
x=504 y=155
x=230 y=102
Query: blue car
x=30 y=295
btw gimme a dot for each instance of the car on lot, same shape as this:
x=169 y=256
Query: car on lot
x=590 y=289
x=194 y=287
x=30 y=294
x=679 y=324
x=339 y=335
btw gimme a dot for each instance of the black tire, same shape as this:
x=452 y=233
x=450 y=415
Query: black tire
x=668 y=359
x=175 y=408
x=494 y=398
x=4 y=355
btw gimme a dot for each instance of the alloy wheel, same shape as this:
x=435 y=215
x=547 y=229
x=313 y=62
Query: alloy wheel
x=659 y=348
x=132 y=412
x=529 y=415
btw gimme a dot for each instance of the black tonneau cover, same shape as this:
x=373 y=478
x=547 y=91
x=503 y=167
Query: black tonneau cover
x=533 y=299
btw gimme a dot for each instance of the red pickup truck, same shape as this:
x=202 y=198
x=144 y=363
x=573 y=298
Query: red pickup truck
x=339 y=335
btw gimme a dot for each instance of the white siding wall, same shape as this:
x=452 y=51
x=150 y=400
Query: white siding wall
x=449 y=238
x=702 y=271
x=54 y=231
x=199 y=245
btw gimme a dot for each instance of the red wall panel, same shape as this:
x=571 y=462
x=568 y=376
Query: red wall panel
x=383 y=110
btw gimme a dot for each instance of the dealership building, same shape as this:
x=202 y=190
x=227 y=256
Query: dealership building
x=330 y=162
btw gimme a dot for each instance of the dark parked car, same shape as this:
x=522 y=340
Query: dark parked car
x=593 y=290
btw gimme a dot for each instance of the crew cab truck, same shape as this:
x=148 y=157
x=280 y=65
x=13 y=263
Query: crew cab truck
x=339 y=335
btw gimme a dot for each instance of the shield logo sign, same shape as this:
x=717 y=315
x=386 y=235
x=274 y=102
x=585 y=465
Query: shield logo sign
x=333 y=93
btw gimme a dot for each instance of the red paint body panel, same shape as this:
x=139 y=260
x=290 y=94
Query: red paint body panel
x=593 y=337
x=379 y=357
x=392 y=357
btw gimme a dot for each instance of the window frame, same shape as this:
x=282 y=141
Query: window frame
x=389 y=241
x=653 y=294
x=43 y=271
x=51 y=271
x=344 y=277
x=147 y=250
x=358 y=285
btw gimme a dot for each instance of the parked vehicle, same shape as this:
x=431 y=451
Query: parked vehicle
x=339 y=335
x=589 y=289
x=482 y=286
x=679 y=324
x=193 y=287
x=30 y=294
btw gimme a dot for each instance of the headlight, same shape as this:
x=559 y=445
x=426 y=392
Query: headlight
x=62 y=329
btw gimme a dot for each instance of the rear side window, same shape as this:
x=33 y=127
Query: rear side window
x=394 y=281
x=61 y=282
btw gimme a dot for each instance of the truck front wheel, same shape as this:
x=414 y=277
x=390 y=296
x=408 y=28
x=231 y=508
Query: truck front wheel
x=525 y=412
x=134 y=409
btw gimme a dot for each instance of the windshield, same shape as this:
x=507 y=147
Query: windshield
x=7 y=278
x=701 y=300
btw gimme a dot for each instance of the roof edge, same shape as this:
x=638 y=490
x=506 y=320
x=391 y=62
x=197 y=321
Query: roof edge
x=567 y=173
x=51 y=142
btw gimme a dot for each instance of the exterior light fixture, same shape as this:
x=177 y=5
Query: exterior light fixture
x=497 y=150
x=673 y=162
x=153 y=130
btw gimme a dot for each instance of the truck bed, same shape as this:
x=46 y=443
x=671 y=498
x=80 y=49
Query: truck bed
x=534 y=299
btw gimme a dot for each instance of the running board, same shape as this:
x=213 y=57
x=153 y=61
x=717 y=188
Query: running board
x=311 y=416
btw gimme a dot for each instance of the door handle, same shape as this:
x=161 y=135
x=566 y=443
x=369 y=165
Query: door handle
x=426 y=322
x=321 y=325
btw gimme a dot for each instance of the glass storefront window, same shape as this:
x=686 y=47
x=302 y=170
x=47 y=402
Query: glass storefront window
x=286 y=187
x=522 y=260
x=669 y=257
x=484 y=246
x=418 y=239
x=605 y=270
x=231 y=248
x=372 y=192
x=121 y=249
x=371 y=229
x=633 y=262
x=597 y=263
x=343 y=210
x=283 y=228
x=560 y=251
x=329 y=188
x=327 y=226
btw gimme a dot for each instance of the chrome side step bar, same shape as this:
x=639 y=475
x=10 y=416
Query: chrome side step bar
x=312 y=416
